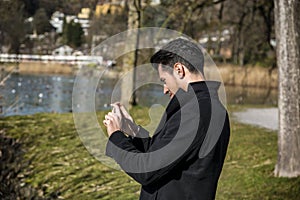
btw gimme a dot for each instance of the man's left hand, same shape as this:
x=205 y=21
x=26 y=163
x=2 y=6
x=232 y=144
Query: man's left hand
x=112 y=122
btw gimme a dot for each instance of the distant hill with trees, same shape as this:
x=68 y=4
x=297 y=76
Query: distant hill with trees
x=243 y=29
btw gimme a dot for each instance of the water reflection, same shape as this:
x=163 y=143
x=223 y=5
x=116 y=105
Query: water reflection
x=251 y=95
x=29 y=94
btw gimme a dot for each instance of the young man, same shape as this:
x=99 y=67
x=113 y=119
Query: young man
x=185 y=156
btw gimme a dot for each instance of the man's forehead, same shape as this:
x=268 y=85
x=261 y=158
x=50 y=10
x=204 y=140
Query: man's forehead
x=160 y=71
x=159 y=66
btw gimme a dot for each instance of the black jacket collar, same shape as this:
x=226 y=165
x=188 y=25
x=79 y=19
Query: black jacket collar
x=202 y=89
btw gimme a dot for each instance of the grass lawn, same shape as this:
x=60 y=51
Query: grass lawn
x=59 y=166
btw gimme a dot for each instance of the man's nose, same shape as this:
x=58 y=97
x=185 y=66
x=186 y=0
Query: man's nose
x=166 y=90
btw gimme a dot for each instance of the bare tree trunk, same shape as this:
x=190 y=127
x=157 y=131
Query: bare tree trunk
x=138 y=8
x=287 y=26
x=238 y=42
x=131 y=59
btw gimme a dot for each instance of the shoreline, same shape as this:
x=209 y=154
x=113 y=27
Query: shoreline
x=247 y=76
x=39 y=68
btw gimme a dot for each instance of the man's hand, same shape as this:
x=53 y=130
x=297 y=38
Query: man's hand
x=112 y=122
x=122 y=121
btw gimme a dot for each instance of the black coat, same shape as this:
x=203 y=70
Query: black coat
x=185 y=156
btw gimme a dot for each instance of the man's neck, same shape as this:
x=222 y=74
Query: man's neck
x=194 y=78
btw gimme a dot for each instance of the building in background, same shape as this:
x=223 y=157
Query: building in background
x=57 y=21
x=84 y=19
x=63 y=50
x=109 y=7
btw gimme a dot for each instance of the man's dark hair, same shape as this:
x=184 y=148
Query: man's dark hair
x=182 y=51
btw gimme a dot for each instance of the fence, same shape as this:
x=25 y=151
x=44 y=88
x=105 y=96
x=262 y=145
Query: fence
x=66 y=59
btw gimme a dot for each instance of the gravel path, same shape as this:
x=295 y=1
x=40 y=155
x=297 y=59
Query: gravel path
x=263 y=117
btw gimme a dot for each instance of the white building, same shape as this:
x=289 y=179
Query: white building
x=83 y=18
x=57 y=21
x=155 y=2
x=63 y=50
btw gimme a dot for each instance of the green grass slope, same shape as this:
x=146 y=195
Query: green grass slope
x=60 y=167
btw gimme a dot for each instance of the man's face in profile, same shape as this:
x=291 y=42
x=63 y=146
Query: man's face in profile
x=169 y=81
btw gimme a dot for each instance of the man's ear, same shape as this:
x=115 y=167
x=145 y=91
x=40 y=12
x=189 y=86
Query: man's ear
x=179 y=70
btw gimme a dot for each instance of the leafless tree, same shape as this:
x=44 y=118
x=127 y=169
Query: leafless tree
x=287 y=23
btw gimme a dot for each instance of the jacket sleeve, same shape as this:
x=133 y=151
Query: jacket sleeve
x=178 y=142
x=142 y=140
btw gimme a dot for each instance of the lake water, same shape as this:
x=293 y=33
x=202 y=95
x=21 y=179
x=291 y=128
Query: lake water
x=29 y=94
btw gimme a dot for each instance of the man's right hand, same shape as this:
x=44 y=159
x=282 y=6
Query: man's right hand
x=127 y=124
